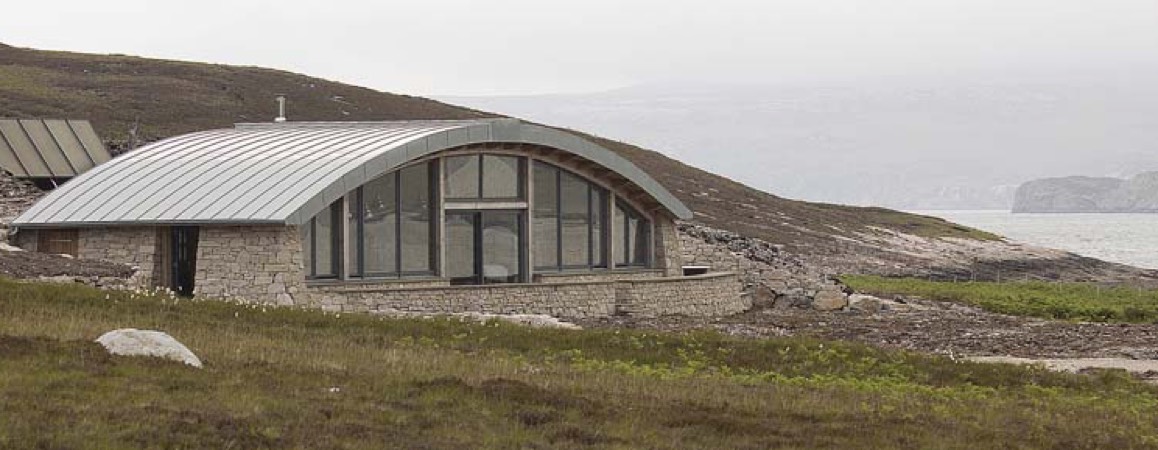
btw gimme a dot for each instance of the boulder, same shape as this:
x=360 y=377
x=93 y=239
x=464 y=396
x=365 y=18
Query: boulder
x=829 y=300
x=133 y=342
x=865 y=303
x=763 y=296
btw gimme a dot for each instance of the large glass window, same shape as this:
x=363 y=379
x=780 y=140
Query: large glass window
x=321 y=242
x=392 y=224
x=546 y=216
x=415 y=219
x=575 y=220
x=379 y=238
x=568 y=220
x=484 y=177
x=633 y=246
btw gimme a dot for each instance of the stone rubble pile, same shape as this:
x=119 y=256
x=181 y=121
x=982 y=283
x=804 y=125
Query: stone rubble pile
x=770 y=275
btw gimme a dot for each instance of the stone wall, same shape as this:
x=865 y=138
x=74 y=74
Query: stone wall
x=668 y=252
x=133 y=246
x=569 y=300
x=579 y=277
x=261 y=264
x=715 y=294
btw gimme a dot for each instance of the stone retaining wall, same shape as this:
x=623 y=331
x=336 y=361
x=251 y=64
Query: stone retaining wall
x=714 y=294
x=570 y=300
x=703 y=295
x=579 y=277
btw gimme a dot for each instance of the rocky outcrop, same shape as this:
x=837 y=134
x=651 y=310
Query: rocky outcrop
x=1089 y=195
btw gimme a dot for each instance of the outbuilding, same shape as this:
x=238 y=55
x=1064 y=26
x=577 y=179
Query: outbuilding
x=492 y=216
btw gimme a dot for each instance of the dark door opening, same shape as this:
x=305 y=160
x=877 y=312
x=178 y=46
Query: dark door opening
x=484 y=247
x=184 y=265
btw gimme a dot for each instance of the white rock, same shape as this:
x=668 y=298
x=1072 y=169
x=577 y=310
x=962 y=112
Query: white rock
x=134 y=342
x=4 y=246
x=865 y=303
x=531 y=320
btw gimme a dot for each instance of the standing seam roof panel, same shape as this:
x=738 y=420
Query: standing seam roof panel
x=156 y=180
x=185 y=183
x=98 y=183
x=48 y=148
x=236 y=179
x=70 y=145
x=22 y=146
x=91 y=142
x=8 y=159
x=268 y=175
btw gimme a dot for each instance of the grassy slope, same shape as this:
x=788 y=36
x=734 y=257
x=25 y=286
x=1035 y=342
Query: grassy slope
x=171 y=97
x=1069 y=301
x=288 y=378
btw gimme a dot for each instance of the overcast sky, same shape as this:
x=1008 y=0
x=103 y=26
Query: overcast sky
x=456 y=47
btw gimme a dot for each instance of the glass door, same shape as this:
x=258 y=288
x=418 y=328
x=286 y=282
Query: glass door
x=484 y=247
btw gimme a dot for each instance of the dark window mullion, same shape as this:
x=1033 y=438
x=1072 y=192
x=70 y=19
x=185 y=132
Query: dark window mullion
x=481 y=177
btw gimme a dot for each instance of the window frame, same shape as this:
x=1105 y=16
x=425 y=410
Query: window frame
x=337 y=223
x=592 y=190
x=520 y=181
x=623 y=242
x=359 y=212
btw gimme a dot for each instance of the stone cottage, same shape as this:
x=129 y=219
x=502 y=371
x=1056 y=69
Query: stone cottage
x=439 y=216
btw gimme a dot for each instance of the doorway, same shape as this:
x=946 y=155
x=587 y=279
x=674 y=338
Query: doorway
x=484 y=247
x=183 y=269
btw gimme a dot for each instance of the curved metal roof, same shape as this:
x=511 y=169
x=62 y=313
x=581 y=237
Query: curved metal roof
x=284 y=173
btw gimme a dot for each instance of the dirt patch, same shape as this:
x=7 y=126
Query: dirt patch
x=930 y=327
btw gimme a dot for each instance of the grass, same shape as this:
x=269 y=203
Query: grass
x=283 y=378
x=1067 y=301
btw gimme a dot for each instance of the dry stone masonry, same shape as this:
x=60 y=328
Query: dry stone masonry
x=255 y=263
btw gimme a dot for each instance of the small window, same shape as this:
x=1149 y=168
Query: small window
x=500 y=177
x=484 y=177
x=321 y=243
x=462 y=177
x=633 y=246
x=61 y=242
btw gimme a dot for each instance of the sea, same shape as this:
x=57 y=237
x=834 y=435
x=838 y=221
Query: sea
x=1125 y=238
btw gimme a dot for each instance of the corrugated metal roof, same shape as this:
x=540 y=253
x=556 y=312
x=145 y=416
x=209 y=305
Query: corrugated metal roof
x=283 y=173
x=32 y=148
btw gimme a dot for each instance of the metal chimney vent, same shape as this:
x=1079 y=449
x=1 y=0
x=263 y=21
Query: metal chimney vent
x=280 y=109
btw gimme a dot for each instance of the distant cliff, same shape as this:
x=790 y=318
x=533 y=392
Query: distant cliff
x=1089 y=195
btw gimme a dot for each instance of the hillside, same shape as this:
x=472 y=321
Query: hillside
x=172 y=97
